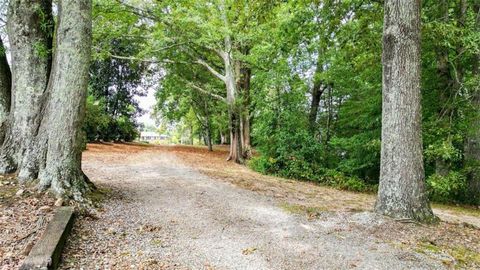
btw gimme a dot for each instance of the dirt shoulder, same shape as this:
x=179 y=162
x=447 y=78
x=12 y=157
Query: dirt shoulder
x=298 y=192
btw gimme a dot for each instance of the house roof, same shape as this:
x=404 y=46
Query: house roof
x=149 y=134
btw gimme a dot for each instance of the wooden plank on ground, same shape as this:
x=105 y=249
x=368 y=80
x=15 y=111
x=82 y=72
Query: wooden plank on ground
x=47 y=251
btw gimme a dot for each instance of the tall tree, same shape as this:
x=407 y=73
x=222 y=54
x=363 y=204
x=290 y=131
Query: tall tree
x=402 y=178
x=68 y=88
x=44 y=137
x=30 y=31
x=472 y=147
x=5 y=85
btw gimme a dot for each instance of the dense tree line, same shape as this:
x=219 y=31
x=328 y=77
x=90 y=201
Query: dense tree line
x=113 y=85
x=299 y=81
x=302 y=83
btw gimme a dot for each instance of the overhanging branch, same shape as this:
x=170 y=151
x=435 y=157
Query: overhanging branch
x=201 y=90
x=211 y=69
x=152 y=61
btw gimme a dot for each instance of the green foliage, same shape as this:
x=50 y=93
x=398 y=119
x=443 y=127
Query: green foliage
x=96 y=119
x=41 y=49
x=290 y=46
x=99 y=125
x=127 y=129
x=341 y=181
x=450 y=188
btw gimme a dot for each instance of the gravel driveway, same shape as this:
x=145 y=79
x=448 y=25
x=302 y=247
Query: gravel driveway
x=170 y=216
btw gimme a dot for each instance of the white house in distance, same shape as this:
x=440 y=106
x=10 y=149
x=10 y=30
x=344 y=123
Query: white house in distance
x=151 y=136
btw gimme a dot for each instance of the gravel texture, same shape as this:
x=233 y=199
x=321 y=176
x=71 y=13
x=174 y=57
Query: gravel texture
x=164 y=214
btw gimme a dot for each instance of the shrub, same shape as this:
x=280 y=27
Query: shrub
x=449 y=188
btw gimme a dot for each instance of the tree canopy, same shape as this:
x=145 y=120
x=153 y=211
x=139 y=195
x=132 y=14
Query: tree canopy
x=303 y=79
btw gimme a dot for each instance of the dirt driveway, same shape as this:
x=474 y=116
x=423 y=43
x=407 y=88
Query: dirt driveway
x=165 y=214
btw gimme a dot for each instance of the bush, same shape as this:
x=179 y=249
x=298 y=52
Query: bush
x=341 y=181
x=96 y=120
x=99 y=125
x=301 y=170
x=450 y=188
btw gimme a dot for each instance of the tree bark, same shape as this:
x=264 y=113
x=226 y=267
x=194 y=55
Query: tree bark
x=223 y=139
x=208 y=127
x=230 y=83
x=317 y=92
x=401 y=191
x=472 y=146
x=191 y=135
x=5 y=90
x=244 y=74
x=65 y=110
x=30 y=43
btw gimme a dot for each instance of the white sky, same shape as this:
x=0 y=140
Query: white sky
x=147 y=103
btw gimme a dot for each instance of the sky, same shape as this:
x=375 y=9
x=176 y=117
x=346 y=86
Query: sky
x=146 y=103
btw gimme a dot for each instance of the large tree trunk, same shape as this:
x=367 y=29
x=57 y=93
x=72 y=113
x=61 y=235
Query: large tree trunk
x=5 y=87
x=472 y=146
x=191 y=135
x=244 y=74
x=401 y=191
x=246 y=137
x=65 y=110
x=234 y=115
x=235 y=138
x=209 y=137
x=29 y=28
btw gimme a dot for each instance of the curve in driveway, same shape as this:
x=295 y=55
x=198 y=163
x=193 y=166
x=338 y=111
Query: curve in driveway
x=173 y=217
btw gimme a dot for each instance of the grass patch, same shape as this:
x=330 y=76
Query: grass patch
x=463 y=257
x=99 y=195
x=302 y=209
x=466 y=210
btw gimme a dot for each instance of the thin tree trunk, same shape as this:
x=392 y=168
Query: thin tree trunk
x=65 y=110
x=208 y=127
x=329 y=116
x=5 y=90
x=472 y=146
x=401 y=191
x=317 y=92
x=30 y=44
x=191 y=135
x=223 y=139
x=247 y=145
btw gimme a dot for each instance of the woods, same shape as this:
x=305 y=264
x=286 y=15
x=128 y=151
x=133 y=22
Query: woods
x=294 y=88
x=240 y=134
